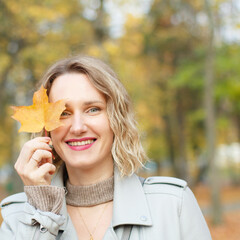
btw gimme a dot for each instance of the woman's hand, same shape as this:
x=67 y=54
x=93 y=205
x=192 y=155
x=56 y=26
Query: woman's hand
x=34 y=164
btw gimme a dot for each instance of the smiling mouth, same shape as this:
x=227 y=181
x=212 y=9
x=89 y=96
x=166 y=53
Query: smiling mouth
x=81 y=143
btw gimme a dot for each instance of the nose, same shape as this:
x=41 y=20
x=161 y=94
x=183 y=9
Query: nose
x=78 y=125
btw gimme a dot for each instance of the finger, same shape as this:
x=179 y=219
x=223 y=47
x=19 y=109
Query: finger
x=46 y=170
x=30 y=174
x=40 y=176
x=30 y=147
x=39 y=157
x=36 y=160
x=45 y=160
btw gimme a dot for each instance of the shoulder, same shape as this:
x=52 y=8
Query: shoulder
x=165 y=185
x=13 y=203
x=166 y=181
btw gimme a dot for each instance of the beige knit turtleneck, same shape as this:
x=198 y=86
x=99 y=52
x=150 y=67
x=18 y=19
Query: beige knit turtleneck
x=90 y=195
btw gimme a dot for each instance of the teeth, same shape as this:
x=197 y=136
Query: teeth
x=80 y=143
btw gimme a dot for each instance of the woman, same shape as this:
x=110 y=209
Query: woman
x=94 y=193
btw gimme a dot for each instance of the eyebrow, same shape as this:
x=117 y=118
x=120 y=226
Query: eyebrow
x=92 y=102
x=87 y=103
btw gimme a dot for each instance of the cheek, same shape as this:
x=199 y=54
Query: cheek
x=108 y=133
x=104 y=126
x=56 y=135
x=109 y=129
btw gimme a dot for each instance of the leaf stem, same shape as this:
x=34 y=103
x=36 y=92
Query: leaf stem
x=46 y=133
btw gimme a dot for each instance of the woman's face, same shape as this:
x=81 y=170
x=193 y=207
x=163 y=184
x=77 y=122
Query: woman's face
x=85 y=140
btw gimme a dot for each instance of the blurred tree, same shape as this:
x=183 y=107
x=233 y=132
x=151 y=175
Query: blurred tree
x=170 y=34
x=228 y=91
x=210 y=116
x=32 y=36
x=160 y=59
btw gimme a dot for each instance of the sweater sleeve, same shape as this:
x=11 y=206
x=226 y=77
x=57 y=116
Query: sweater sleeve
x=45 y=198
x=22 y=221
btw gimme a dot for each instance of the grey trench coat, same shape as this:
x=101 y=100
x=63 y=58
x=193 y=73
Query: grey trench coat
x=162 y=209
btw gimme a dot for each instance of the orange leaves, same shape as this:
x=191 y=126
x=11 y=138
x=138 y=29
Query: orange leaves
x=41 y=114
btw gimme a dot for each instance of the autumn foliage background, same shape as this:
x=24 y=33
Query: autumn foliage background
x=179 y=60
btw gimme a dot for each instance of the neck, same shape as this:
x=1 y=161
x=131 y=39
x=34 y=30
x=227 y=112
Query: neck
x=89 y=175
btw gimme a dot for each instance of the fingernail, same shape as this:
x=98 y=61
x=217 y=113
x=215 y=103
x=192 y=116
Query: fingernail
x=47 y=138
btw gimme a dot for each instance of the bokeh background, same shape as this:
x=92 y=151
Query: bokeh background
x=179 y=60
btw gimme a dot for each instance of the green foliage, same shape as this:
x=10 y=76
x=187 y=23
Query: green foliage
x=160 y=59
x=32 y=36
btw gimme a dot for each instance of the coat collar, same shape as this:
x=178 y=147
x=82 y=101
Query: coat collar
x=130 y=205
x=58 y=181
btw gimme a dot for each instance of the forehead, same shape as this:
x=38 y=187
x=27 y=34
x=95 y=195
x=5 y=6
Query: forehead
x=74 y=86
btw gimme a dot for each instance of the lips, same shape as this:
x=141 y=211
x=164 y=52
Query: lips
x=80 y=144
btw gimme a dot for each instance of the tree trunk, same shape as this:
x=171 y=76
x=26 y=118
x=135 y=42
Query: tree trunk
x=15 y=182
x=169 y=140
x=237 y=123
x=181 y=162
x=210 y=120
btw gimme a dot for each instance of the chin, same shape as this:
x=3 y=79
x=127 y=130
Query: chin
x=81 y=164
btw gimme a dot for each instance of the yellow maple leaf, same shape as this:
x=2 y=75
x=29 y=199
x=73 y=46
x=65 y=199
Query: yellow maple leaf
x=41 y=114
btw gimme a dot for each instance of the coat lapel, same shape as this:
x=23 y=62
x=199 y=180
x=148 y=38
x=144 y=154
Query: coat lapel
x=130 y=204
x=58 y=181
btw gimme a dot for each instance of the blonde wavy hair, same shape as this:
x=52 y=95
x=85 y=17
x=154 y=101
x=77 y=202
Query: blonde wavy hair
x=127 y=150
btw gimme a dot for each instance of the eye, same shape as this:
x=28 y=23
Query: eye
x=94 y=110
x=65 y=113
